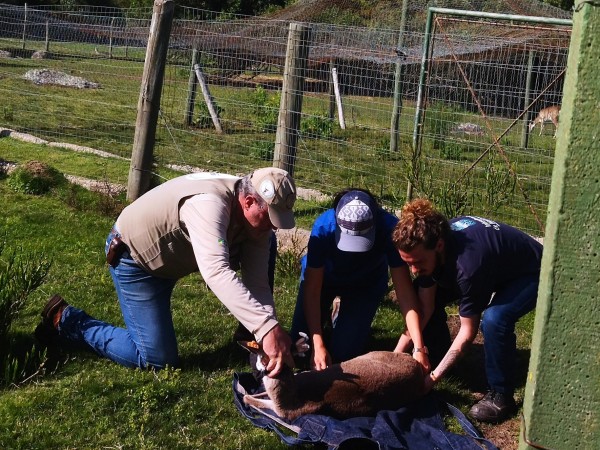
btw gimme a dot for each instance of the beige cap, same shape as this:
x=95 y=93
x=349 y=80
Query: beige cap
x=277 y=188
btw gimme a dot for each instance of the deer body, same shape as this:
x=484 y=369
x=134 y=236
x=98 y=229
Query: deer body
x=359 y=387
x=549 y=114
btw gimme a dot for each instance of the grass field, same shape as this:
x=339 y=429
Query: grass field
x=81 y=401
x=507 y=184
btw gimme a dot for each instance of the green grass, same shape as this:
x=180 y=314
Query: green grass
x=358 y=156
x=83 y=401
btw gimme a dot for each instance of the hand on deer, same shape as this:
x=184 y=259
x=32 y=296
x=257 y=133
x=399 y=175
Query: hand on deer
x=321 y=359
x=276 y=345
x=423 y=360
x=428 y=383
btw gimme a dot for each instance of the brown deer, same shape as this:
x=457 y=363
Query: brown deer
x=549 y=114
x=358 y=387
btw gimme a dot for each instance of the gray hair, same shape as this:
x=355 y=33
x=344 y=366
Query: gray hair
x=244 y=186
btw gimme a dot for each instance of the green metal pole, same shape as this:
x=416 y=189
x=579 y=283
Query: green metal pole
x=418 y=128
x=513 y=17
x=397 y=106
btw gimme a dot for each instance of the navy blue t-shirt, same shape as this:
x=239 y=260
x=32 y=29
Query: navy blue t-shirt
x=481 y=257
x=351 y=270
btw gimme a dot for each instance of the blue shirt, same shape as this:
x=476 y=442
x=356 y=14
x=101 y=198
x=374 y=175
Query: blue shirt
x=482 y=256
x=353 y=270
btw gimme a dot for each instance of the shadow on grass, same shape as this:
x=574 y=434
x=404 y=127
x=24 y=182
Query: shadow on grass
x=225 y=357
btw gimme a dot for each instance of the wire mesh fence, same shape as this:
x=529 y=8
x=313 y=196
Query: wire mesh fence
x=474 y=153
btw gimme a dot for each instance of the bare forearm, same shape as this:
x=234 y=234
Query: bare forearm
x=448 y=361
x=462 y=342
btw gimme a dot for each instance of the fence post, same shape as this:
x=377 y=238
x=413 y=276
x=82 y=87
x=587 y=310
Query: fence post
x=192 y=86
x=24 y=24
x=208 y=98
x=149 y=99
x=338 y=98
x=110 y=38
x=397 y=105
x=525 y=130
x=288 y=123
x=47 y=45
x=331 y=90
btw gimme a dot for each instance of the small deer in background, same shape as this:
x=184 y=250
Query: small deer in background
x=549 y=114
x=361 y=386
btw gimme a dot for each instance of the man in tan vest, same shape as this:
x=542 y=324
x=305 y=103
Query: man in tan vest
x=213 y=223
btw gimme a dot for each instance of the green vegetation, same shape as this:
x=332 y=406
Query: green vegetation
x=20 y=275
x=328 y=158
x=76 y=400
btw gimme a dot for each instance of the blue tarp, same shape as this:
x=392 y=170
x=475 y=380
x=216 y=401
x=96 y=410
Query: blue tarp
x=416 y=427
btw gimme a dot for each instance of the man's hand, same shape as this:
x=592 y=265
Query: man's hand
x=428 y=383
x=277 y=344
x=320 y=358
x=423 y=359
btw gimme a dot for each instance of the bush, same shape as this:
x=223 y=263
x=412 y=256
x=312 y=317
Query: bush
x=317 y=126
x=265 y=109
x=20 y=275
x=204 y=120
x=35 y=178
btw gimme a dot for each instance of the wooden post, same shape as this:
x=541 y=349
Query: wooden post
x=192 y=87
x=338 y=98
x=208 y=98
x=47 y=45
x=149 y=99
x=331 y=92
x=24 y=25
x=527 y=115
x=127 y=36
x=110 y=38
x=288 y=123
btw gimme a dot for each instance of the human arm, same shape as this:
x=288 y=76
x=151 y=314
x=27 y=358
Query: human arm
x=413 y=314
x=207 y=219
x=276 y=344
x=466 y=334
x=313 y=283
x=426 y=299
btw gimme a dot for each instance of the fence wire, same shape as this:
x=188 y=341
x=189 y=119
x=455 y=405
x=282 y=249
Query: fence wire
x=474 y=157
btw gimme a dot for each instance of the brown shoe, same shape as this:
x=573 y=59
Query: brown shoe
x=53 y=310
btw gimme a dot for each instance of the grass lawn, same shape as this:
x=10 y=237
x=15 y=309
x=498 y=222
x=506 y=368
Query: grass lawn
x=81 y=401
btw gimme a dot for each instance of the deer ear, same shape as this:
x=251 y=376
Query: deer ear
x=251 y=346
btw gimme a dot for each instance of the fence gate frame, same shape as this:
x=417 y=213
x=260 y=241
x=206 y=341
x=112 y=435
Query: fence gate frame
x=427 y=59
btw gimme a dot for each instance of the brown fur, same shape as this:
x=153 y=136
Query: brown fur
x=359 y=387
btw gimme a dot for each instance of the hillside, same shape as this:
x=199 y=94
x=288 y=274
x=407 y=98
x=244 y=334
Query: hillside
x=387 y=13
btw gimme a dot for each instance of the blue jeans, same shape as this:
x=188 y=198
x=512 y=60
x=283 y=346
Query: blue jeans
x=498 y=327
x=508 y=305
x=349 y=337
x=149 y=337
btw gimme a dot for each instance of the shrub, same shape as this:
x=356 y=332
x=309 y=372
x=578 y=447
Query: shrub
x=266 y=109
x=35 y=178
x=288 y=261
x=20 y=275
x=317 y=126
x=204 y=120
